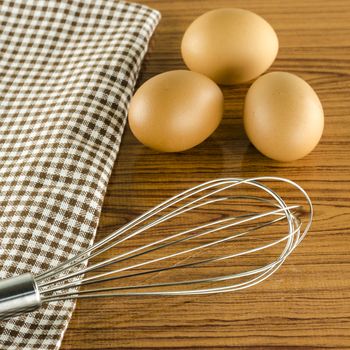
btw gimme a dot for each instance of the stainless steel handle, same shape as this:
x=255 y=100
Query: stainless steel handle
x=18 y=295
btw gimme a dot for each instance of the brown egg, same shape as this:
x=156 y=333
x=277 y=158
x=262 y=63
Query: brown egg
x=229 y=45
x=283 y=116
x=175 y=111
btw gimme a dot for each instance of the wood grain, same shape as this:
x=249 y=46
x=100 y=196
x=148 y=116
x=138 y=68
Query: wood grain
x=306 y=305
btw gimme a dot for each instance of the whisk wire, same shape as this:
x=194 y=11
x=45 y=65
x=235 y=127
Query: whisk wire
x=178 y=253
x=226 y=183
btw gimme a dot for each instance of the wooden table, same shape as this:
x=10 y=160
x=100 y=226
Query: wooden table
x=305 y=305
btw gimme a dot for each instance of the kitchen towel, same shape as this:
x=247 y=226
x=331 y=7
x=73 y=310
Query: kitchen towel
x=67 y=71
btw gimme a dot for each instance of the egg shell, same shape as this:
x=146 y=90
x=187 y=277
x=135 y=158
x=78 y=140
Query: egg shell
x=229 y=45
x=283 y=116
x=175 y=110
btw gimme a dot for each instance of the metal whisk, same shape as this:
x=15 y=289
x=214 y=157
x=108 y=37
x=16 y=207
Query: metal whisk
x=220 y=236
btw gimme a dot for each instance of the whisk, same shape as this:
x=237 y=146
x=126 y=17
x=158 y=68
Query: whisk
x=220 y=236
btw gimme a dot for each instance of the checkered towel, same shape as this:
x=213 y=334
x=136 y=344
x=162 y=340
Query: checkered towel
x=67 y=70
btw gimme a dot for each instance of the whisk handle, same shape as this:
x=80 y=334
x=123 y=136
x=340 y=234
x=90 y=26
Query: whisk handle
x=18 y=295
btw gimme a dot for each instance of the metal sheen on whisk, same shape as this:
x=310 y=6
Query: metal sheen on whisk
x=220 y=236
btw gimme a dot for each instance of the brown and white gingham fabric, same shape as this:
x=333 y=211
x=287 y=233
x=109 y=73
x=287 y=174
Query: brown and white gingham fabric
x=67 y=71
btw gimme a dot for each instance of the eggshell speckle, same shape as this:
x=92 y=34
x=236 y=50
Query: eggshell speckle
x=283 y=116
x=229 y=45
x=175 y=111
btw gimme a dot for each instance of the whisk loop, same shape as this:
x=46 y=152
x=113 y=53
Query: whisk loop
x=189 y=244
